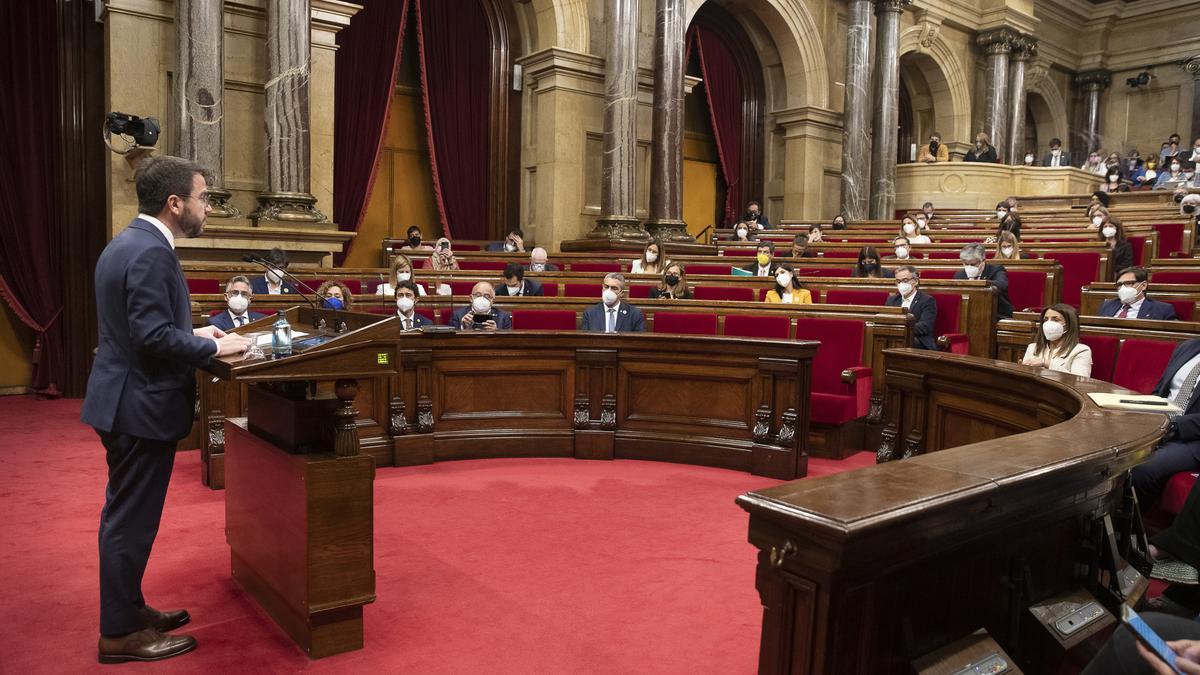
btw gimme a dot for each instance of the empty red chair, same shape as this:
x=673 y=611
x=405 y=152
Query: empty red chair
x=461 y=287
x=1104 y=354
x=550 y=289
x=1170 y=239
x=1184 y=309
x=942 y=255
x=1026 y=289
x=854 y=296
x=744 y=251
x=1138 y=244
x=1080 y=268
x=543 y=319
x=685 y=323
x=824 y=272
x=1140 y=363
x=837 y=253
x=946 y=327
x=937 y=274
x=595 y=267
x=582 y=290
x=482 y=265
x=444 y=315
x=841 y=385
x=1176 y=277
x=734 y=293
x=640 y=290
x=740 y=325
x=710 y=269
x=427 y=313
x=353 y=285
x=203 y=286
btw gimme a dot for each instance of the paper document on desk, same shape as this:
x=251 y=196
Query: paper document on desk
x=1138 y=402
x=265 y=339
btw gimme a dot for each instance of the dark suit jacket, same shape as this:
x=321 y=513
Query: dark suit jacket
x=528 y=287
x=997 y=277
x=1122 y=257
x=988 y=155
x=629 y=318
x=752 y=268
x=224 y=320
x=550 y=267
x=1189 y=421
x=1150 y=309
x=884 y=273
x=762 y=220
x=1064 y=160
x=924 y=311
x=503 y=318
x=258 y=284
x=419 y=320
x=143 y=380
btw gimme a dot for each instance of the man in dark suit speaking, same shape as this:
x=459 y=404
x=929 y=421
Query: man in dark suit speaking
x=141 y=394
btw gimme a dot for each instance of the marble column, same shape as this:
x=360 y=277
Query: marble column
x=287 y=197
x=856 y=132
x=199 y=94
x=996 y=45
x=1092 y=82
x=887 y=108
x=1023 y=49
x=1192 y=66
x=618 y=187
x=666 y=151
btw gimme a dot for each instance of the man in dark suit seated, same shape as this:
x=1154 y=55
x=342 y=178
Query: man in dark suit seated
x=1180 y=449
x=141 y=397
x=755 y=217
x=537 y=261
x=406 y=303
x=800 y=247
x=1131 y=301
x=611 y=315
x=764 y=264
x=481 y=315
x=273 y=282
x=975 y=266
x=919 y=304
x=513 y=242
x=237 y=301
x=1057 y=156
x=516 y=284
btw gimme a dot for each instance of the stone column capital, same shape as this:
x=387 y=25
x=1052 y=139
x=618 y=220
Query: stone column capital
x=1192 y=66
x=897 y=6
x=996 y=41
x=1094 y=80
x=1024 y=47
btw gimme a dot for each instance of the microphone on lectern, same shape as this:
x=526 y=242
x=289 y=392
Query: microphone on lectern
x=251 y=258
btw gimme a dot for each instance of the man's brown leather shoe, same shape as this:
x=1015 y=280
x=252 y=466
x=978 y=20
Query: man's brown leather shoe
x=164 y=622
x=145 y=645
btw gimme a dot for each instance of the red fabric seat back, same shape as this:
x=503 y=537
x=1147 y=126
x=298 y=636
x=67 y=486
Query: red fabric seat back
x=736 y=293
x=841 y=348
x=352 y=285
x=1104 y=354
x=1140 y=363
x=1080 y=268
x=203 y=286
x=1177 y=491
x=1026 y=289
x=1176 y=277
x=373 y=286
x=215 y=312
x=1138 y=244
x=740 y=251
x=854 y=296
x=460 y=287
x=837 y=253
x=686 y=323
x=741 y=325
x=710 y=269
x=595 y=267
x=1170 y=239
x=948 y=306
x=1184 y=309
x=824 y=272
x=543 y=319
x=942 y=255
x=938 y=274
x=582 y=291
x=482 y=265
x=550 y=289
x=640 y=290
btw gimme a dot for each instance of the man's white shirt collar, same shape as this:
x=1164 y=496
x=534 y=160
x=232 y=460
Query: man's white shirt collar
x=161 y=228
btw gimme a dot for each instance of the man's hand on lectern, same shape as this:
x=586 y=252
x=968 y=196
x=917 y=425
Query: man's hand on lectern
x=232 y=343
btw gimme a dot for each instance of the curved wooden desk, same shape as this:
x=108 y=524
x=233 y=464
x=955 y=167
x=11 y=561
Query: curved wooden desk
x=1010 y=466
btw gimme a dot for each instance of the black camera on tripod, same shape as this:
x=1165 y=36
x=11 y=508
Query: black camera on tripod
x=141 y=131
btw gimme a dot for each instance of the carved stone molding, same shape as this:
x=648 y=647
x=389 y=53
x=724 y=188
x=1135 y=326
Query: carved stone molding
x=882 y=6
x=762 y=424
x=1024 y=47
x=290 y=207
x=218 y=199
x=997 y=41
x=1035 y=72
x=1096 y=80
x=1192 y=66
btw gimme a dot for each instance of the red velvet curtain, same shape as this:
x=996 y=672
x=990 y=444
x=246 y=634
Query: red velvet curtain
x=724 y=93
x=455 y=46
x=30 y=174
x=368 y=55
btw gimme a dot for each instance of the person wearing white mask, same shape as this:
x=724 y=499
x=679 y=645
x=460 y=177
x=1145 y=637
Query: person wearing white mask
x=516 y=284
x=1120 y=255
x=1057 y=157
x=237 y=301
x=537 y=261
x=918 y=303
x=273 y=282
x=787 y=288
x=1008 y=247
x=406 y=303
x=1029 y=159
x=1057 y=346
x=1173 y=178
x=514 y=242
x=901 y=249
x=743 y=232
x=1131 y=301
x=400 y=272
x=611 y=314
x=481 y=315
x=975 y=267
x=910 y=228
x=653 y=260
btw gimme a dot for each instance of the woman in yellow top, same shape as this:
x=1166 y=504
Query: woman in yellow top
x=787 y=288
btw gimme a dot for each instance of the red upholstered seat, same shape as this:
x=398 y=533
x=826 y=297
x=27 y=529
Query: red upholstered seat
x=937 y=274
x=943 y=255
x=710 y=269
x=1184 y=309
x=1026 y=289
x=833 y=408
x=1176 y=492
x=543 y=319
x=427 y=313
x=850 y=296
x=1141 y=362
x=1170 y=239
x=482 y=265
x=686 y=323
x=215 y=312
x=841 y=350
x=836 y=253
x=1138 y=244
x=740 y=294
x=203 y=286
x=947 y=326
x=740 y=325
x=353 y=285
x=1104 y=354
x=461 y=287
x=1176 y=276
x=740 y=251
x=640 y=290
x=550 y=289
x=373 y=286
x=444 y=315
x=582 y=291
x=594 y=267
x=1080 y=268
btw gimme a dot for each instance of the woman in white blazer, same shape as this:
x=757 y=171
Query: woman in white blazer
x=1057 y=346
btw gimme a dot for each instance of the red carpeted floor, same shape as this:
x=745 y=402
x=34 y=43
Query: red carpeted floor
x=503 y=566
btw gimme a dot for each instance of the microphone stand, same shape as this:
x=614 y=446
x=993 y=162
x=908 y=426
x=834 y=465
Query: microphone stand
x=318 y=322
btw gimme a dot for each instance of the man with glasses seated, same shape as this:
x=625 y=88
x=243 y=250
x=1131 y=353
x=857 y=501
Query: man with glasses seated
x=1131 y=301
x=611 y=315
x=481 y=315
x=237 y=300
x=922 y=306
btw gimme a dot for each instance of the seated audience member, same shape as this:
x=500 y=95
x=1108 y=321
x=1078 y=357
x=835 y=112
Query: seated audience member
x=1173 y=178
x=764 y=260
x=911 y=229
x=401 y=271
x=814 y=233
x=442 y=257
x=481 y=315
x=1097 y=215
x=787 y=288
x=922 y=306
x=934 y=151
x=1131 y=301
x=413 y=241
x=1057 y=346
x=1135 y=169
x=1057 y=156
x=755 y=217
x=537 y=261
x=1123 y=654
x=514 y=242
x=1094 y=163
x=334 y=295
x=673 y=285
x=800 y=247
x=975 y=266
x=516 y=284
x=868 y=266
x=406 y=302
x=1190 y=158
x=922 y=221
x=1112 y=164
x=743 y=232
x=1112 y=233
x=927 y=209
x=1030 y=159
x=1113 y=183
x=983 y=150
x=1099 y=198
x=901 y=249
x=653 y=260
x=1149 y=174
x=1170 y=148
x=1180 y=448
x=1009 y=222
x=611 y=314
x=273 y=282
x=1008 y=247
x=237 y=301
x=839 y=222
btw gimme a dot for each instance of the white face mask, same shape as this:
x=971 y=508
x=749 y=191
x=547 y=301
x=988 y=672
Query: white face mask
x=1109 y=232
x=403 y=276
x=238 y=304
x=909 y=228
x=405 y=304
x=741 y=232
x=905 y=288
x=1006 y=251
x=1029 y=159
x=920 y=222
x=1056 y=152
x=1096 y=220
x=1053 y=330
x=1001 y=214
x=1127 y=294
x=901 y=251
x=513 y=290
x=972 y=270
x=509 y=246
x=784 y=279
x=274 y=278
x=1174 y=168
x=537 y=267
x=481 y=305
x=651 y=256
x=609 y=297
